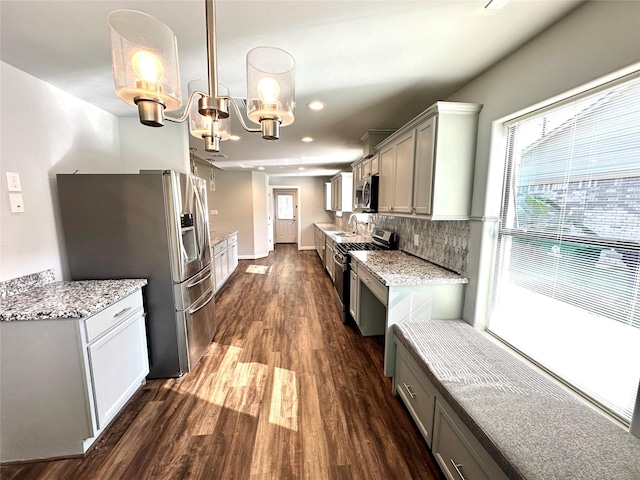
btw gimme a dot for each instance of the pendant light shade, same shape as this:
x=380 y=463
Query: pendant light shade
x=270 y=85
x=200 y=125
x=144 y=55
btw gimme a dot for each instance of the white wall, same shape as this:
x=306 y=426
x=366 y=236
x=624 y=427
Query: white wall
x=151 y=148
x=259 y=190
x=45 y=131
x=311 y=203
x=596 y=39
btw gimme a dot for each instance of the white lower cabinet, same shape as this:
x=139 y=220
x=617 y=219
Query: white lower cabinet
x=116 y=361
x=232 y=249
x=457 y=451
x=225 y=260
x=64 y=380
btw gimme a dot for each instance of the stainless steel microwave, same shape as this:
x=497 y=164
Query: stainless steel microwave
x=366 y=194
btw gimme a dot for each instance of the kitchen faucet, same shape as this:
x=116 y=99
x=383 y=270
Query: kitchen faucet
x=355 y=226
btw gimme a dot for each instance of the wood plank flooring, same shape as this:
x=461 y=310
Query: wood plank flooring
x=286 y=391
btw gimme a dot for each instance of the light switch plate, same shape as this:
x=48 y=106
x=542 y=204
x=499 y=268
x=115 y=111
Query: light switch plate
x=13 y=181
x=214 y=212
x=17 y=205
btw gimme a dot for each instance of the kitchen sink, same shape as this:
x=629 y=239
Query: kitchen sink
x=344 y=234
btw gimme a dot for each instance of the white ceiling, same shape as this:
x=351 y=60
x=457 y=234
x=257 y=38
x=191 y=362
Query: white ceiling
x=376 y=64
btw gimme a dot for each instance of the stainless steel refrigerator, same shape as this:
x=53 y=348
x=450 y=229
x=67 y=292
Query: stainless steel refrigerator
x=151 y=225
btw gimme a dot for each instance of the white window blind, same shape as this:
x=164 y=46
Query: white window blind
x=566 y=289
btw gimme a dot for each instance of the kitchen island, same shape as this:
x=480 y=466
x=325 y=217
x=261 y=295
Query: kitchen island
x=71 y=355
x=390 y=286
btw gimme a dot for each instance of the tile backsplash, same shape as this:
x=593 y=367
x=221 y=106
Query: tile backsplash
x=445 y=243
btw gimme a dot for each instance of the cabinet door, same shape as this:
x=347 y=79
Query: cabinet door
x=233 y=257
x=118 y=363
x=375 y=165
x=353 y=295
x=403 y=173
x=366 y=168
x=385 y=189
x=425 y=154
x=357 y=172
x=217 y=267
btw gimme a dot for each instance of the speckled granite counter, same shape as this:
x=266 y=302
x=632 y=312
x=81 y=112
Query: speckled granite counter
x=394 y=268
x=66 y=299
x=532 y=428
x=217 y=237
x=331 y=229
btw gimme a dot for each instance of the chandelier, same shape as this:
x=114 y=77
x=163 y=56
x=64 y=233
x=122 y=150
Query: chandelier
x=144 y=56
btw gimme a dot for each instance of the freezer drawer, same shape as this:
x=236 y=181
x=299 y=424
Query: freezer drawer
x=200 y=327
x=189 y=291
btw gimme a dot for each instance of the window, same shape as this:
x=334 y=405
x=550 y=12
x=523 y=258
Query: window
x=285 y=206
x=566 y=287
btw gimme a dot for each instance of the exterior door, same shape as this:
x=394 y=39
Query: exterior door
x=286 y=210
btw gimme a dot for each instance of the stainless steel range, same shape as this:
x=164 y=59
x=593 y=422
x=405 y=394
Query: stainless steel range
x=380 y=240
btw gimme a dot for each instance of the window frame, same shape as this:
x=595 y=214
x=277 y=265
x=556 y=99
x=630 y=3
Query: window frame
x=498 y=167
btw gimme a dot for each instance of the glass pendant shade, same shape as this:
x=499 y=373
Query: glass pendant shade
x=144 y=54
x=200 y=125
x=270 y=85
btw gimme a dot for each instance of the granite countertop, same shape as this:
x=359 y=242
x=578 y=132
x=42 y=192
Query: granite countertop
x=57 y=300
x=396 y=268
x=220 y=236
x=331 y=228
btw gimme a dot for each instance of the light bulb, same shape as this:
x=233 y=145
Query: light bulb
x=269 y=91
x=148 y=67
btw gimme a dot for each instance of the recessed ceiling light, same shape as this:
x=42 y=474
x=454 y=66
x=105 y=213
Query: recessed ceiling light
x=300 y=168
x=307 y=139
x=316 y=105
x=260 y=168
x=235 y=138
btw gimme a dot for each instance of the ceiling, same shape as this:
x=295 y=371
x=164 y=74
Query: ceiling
x=376 y=64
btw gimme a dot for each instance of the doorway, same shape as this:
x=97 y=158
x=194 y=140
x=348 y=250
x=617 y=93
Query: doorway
x=286 y=216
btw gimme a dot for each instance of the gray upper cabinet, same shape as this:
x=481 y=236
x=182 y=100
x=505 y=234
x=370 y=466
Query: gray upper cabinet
x=423 y=179
x=426 y=167
x=403 y=172
x=385 y=190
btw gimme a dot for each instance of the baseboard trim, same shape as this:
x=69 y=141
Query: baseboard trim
x=253 y=257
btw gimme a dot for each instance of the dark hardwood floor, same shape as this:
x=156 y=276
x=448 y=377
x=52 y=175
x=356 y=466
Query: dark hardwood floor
x=286 y=391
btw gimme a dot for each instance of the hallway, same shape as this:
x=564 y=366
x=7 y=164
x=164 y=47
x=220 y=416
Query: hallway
x=286 y=391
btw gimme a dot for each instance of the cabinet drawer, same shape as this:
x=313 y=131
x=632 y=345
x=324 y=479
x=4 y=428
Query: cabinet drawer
x=416 y=392
x=232 y=240
x=453 y=448
x=220 y=247
x=112 y=316
x=373 y=284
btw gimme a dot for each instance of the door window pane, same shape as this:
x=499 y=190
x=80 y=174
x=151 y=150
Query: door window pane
x=285 y=207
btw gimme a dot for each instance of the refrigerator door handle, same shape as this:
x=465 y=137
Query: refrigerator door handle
x=201 y=224
x=204 y=304
x=193 y=284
